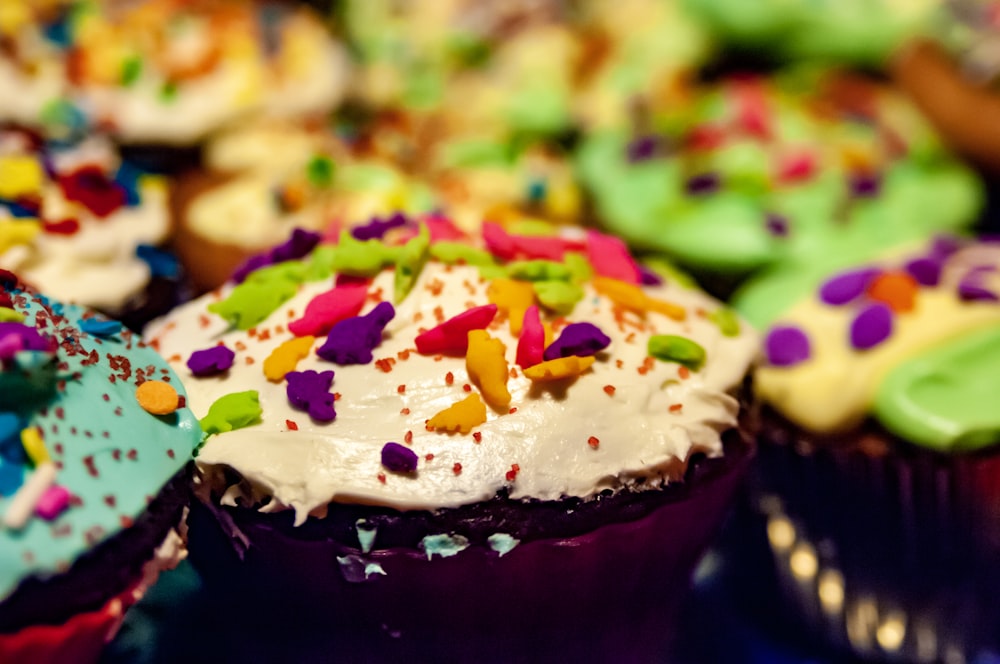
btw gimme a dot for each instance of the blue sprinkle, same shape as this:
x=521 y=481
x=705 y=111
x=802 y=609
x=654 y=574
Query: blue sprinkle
x=11 y=449
x=128 y=177
x=161 y=263
x=11 y=478
x=18 y=210
x=100 y=327
x=58 y=31
x=536 y=191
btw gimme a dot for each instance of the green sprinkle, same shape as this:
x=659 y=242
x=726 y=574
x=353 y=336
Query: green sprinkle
x=443 y=545
x=366 y=534
x=231 y=412
x=539 y=270
x=168 y=92
x=320 y=265
x=672 y=273
x=451 y=253
x=672 y=348
x=726 y=320
x=361 y=258
x=502 y=543
x=558 y=296
x=8 y=315
x=409 y=262
x=533 y=227
x=265 y=290
x=579 y=267
x=131 y=71
x=320 y=171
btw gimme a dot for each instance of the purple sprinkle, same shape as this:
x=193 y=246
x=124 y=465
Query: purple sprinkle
x=648 y=277
x=642 y=148
x=30 y=338
x=871 y=326
x=703 y=184
x=786 y=345
x=377 y=228
x=310 y=391
x=211 y=361
x=944 y=245
x=972 y=289
x=579 y=339
x=352 y=341
x=847 y=286
x=399 y=459
x=298 y=245
x=776 y=225
x=865 y=186
x=925 y=269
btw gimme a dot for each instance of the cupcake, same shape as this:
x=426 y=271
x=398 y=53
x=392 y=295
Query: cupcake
x=82 y=225
x=490 y=448
x=752 y=172
x=166 y=72
x=876 y=483
x=95 y=471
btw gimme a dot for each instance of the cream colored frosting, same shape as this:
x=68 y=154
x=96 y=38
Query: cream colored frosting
x=834 y=390
x=546 y=436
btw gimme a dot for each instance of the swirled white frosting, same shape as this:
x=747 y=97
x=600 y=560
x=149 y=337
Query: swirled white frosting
x=614 y=424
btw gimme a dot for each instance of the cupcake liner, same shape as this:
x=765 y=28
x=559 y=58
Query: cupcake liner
x=610 y=593
x=880 y=548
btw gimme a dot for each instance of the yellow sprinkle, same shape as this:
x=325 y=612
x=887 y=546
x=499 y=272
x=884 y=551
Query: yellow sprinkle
x=285 y=357
x=17 y=231
x=20 y=175
x=460 y=416
x=8 y=315
x=512 y=299
x=564 y=367
x=157 y=397
x=34 y=445
x=632 y=297
x=488 y=368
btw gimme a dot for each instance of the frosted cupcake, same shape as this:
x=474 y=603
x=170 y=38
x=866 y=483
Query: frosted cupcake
x=878 y=458
x=532 y=416
x=95 y=471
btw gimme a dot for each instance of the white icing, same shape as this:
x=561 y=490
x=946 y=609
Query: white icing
x=639 y=437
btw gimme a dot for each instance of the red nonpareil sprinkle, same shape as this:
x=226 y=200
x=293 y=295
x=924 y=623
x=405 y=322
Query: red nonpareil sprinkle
x=647 y=366
x=619 y=363
x=64 y=227
x=385 y=364
x=204 y=321
x=457 y=468
x=292 y=426
x=336 y=396
x=252 y=332
x=512 y=473
x=477 y=436
x=512 y=410
x=401 y=389
x=609 y=390
x=594 y=442
x=404 y=411
x=428 y=457
x=408 y=438
x=467 y=387
x=683 y=372
x=381 y=477
x=676 y=407
x=240 y=345
x=249 y=360
x=513 y=372
x=264 y=335
x=171 y=454
x=449 y=378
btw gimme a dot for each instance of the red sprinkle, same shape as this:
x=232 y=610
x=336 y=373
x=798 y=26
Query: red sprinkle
x=512 y=410
x=512 y=473
x=449 y=378
x=404 y=411
x=457 y=468
x=467 y=387
x=428 y=457
x=477 y=436
x=408 y=438
x=676 y=407
x=683 y=372
x=381 y=478
x=292 y=426
x=609 y=390
x=385 y=364
x=401 y=389
x=594 y=442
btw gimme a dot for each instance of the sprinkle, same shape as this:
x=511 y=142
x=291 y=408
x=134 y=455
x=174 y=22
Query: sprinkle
x=594 y=442
x=231 y=412
x=250 y=303
x=445 y=546
x=310 y=391
x=20 y=175
x=286 y=357
x=399 y=459
x=477 y=436
x=726 y=320
x=676 y=407
x=291 y=425
x=329 y=308
x=377 y=228
x=34 y=446
x=539 y=270
x=92 y=188
x=898 y=290
x=509 y=247
x=99 y=327
x=8 y=315
x=512 y=299
x=552 y=370
x=558 y=296
x=461 y=416
x=642 y=148
x=487 y=367
x=298 y=245
x=512 y=473
x=579 y=339
x=673 y=348
x=847 y=286
x=451 y=253
x=706 y=183
x=361 y=258
x=502 y=543
x=211 y=361
x=452 y=336
x=22 y=505
x=786 y=346
x=157 y=397
x=926 y=270
x=531 y=344
x=352 y=341
x=871 y=326
x=11 y=478
x=15 y=232
x=409 y=263
x=971 y=289
x=611 y=258
x=53 y=502
x=456 y=468
x=633 y=297
x=865 y=185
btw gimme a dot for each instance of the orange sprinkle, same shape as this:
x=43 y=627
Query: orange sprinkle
x=439 y=314
x=157 y=397
x=252 y=332
x=385 y=364
x=401 y=389
x=336 y=396
x=204 y=321
x=594 y=442
x=292 y=426
x=404 y=411
x=619 y=363
x=609 y=390
x=264 y=335
x=249 y=360
x=404 y=354
x=683 y=372
x=647 y=366
x=408 y=438
x=896 y=289
x=676 y=407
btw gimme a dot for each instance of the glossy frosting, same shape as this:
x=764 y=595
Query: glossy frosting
x=752 y=172
x=931 y=381
x=71 y=218
x=111 y=456
x=627 y=418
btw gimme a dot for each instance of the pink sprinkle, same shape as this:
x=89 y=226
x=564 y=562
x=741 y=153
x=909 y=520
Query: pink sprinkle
x=329 y=308
x=531 y=345
x=610 y=258
x=53 y=502
x=505 y=246
x=452 y=336
x=796 y=167
x=442 y=230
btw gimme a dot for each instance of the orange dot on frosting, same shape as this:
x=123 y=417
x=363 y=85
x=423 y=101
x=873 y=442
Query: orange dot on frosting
x=157 y=397
x=896 y=289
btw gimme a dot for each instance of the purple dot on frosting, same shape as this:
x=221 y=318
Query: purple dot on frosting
x=846 y=286
x=786 y=345
x=648 y=277
x=944 y=245
x=642 y=148
x=925 y=269
x=776 y=225
x=210 y=361
x=871 y=326
x=398 y=458
x=298 y=245
x=705 y=183
x=352 y=341
x=377 y=227
x=972 y=289
x=577 y=339
x=865 y=185
x=310 y=391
